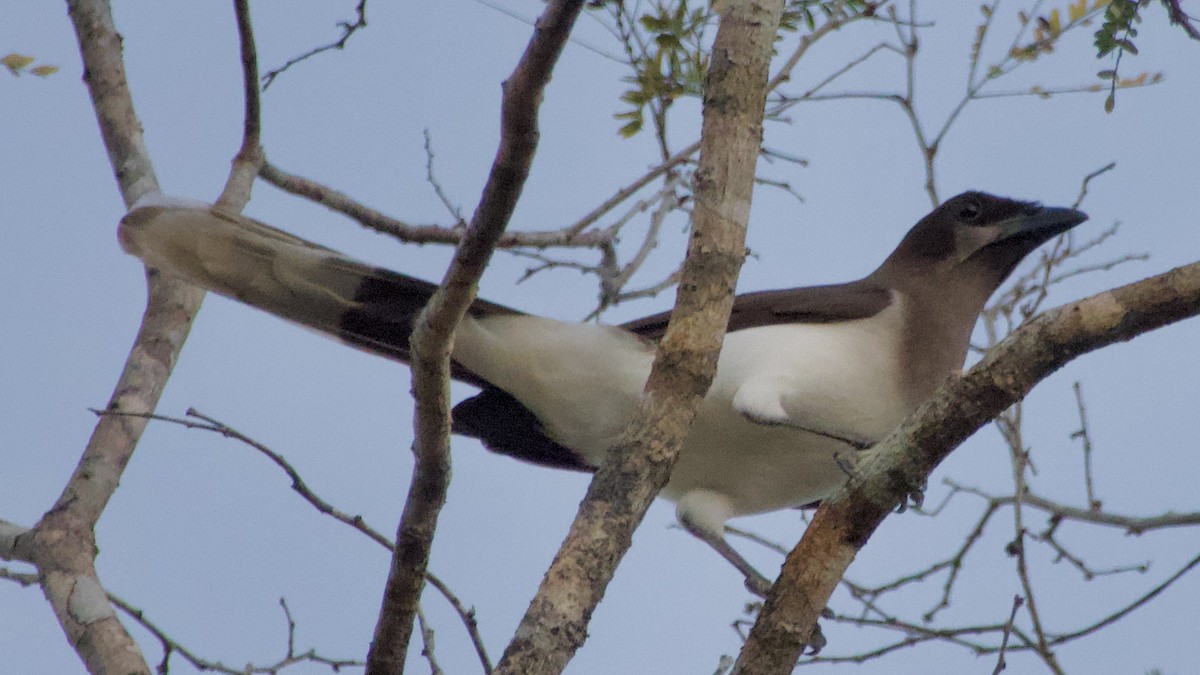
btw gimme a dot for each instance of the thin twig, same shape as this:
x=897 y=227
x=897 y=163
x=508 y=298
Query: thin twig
x=1087 y=181
x=170 y=646
x=427 y=643
x=435 y=327
x=454 y=210
x=1061 y=638
x=426 y=234
x=1001 y=664
x=1086 y=439
x=300 y=486
x=348 y=29
x=249 y=158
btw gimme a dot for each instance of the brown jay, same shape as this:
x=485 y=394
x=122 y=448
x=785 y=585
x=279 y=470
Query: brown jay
x=804 y=373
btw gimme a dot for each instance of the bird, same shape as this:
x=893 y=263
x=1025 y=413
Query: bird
x=805 y=375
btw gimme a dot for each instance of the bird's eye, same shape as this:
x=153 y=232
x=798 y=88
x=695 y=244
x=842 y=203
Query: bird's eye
x=969 y=212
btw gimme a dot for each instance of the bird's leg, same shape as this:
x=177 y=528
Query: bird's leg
x=756 y=583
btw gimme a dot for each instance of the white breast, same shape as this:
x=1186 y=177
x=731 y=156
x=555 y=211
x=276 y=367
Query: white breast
x=842 y=379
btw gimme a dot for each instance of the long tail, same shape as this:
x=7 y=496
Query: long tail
x=369 y=307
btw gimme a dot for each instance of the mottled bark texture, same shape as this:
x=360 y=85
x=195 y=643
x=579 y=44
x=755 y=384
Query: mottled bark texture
x=897 y=466
x=555 y=626
x=433 y=335
x=62 y=545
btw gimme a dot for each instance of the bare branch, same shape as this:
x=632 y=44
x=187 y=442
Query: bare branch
x=839 y=18
x=1017 y=550
x=62 y=544
x=250 y=156
x=1181 y=18
x=1047 y=537
x=454 y=210
x=301 y=487
x=406 y=232
x=577 y=228
x=1008 y=628
x=171 y=646
x=1119 y=614
x=1086 y=439
x=25 y=579
x=468 y=618
x=434 y=333
x=298 y=484
x=348 y=29
x=427 y=642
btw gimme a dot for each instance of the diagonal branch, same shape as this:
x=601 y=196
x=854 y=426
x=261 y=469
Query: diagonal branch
x=62 y=545
x=348 y=29
x=556 y=623
x=899 y=464
x=434 y=333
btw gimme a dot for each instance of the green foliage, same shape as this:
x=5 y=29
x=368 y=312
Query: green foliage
x=1117 y=31
x=665 y=47
x=797 y=11
x=669 y=60
x=1116 y=34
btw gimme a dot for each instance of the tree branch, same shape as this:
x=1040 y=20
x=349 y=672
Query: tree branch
x=336 y=200
x=249 y=158
x=62 y=545
x=348 y=29
x=555 y=625
x=899 y=464
x=434 y=333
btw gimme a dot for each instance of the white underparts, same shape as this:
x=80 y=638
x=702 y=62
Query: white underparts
x=748 y=451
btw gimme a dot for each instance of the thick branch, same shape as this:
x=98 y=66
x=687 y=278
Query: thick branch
x=62 y=545
x=899 y=464
x=555 y=625
x=434 y=333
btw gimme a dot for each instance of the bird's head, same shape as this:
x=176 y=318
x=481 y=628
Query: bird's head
x=980 y=235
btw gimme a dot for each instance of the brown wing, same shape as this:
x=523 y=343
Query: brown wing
x=812 y=304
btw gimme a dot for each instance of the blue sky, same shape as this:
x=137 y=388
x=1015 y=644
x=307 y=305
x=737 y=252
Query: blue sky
x=206 y=536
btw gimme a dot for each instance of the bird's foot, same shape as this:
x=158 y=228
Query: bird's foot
x=816 y=641
x=916 y=497
x=758 y=584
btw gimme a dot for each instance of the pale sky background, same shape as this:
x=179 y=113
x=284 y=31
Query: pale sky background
x=205 y=535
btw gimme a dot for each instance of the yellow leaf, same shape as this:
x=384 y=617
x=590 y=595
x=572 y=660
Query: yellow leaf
x=1055 y=23
x=1133 y=81
x=16 y=62
x=1076 y=10
x=44 y=71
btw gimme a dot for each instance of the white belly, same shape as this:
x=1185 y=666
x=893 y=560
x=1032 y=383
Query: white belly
x=583 y=381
